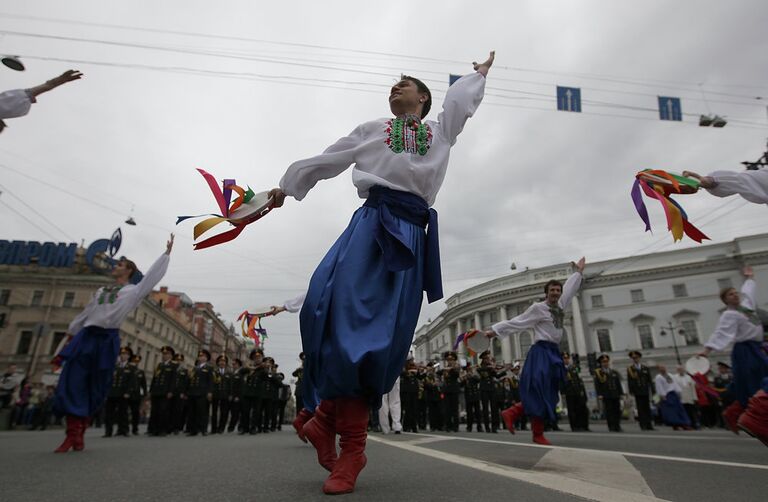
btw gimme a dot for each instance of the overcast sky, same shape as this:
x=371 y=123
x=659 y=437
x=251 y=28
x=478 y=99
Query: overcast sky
x=526 y=183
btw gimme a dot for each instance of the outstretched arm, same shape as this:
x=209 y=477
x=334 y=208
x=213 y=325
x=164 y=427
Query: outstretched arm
x=67 y=76
x=752 y=185
x=533 y=315
x=155 y=272
x=462 y=99
x=572 y=285
x=748 y=289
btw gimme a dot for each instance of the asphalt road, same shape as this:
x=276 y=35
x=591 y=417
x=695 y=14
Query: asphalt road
x=691 y=466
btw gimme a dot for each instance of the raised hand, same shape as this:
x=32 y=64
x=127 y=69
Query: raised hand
x=704 y=181
x=486 y=65
x=169 y=245
x=68 y=76
x=490 y=333
x=580 y=265
x=276 y=310
x=747 y=272
x=278 y=195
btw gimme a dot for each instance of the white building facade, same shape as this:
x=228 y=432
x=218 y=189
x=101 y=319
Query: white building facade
x=650 y=302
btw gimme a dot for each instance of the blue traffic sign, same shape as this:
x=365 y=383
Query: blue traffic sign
x=670 y=109
x=569 y=99
x=453 y=78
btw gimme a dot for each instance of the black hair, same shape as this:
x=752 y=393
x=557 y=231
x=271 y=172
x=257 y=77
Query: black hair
x=427 y=105
x=553 y=282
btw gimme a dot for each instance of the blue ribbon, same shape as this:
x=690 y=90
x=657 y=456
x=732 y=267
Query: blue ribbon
x=394 y=204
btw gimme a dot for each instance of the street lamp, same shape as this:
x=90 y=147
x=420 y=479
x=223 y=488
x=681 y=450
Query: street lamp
x=671 y=329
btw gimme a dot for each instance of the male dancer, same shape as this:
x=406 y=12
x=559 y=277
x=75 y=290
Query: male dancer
x=752 y=185
x=90 y=356
x=364 y=299
x=641 y=386
x=740 y=325
x=672 y=411
x=543 y=370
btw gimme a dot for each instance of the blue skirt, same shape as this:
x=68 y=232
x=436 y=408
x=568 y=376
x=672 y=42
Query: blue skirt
x=749 y=364
x=86 y=376
x=359 y=316
x=540 y=380
x=672 y=411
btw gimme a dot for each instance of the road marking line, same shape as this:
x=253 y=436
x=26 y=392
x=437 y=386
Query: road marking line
x=625 y=453
x=732 y=437
x=579 y=488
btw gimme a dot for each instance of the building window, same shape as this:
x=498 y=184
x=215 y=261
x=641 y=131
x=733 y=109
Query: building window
x=724 y=284
x=690 y=332
x=679 y=290
x=597 y=301
x=144 y=319
x=494 y=317
x=646 y=336
x=37 y=298
x=69 y=299
x=25 y=343
x=637 y=295
x=604 y=340
x=5 y=295
x=525 y=344
x=58 y=336
x=152 y=324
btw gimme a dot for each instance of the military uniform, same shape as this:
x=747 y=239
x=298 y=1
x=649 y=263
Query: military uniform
x=180 y=408
x=222 y=397
x=283 y=397
x=640 y=385
x=117 y=401
x=421 y=401
x=489 y=409
x=137 y=395
x=434 y=397
x=237 y=391
x=272 y=384
x=161 y=392
x=471 y=382
x=451 y=388
x=298 y=374
x=251 y=401
x=200 y=392
x=409 y=395
x=608 y=386
x=575 y=399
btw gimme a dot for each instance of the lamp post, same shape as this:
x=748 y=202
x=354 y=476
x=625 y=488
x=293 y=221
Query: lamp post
x=671 y=329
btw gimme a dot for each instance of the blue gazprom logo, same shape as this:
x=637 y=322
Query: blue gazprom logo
x=61 y=254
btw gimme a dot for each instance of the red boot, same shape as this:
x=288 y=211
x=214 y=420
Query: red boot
x=537 y=426
x=510 y=416
x=731 y=416
x=352 y=425
x=320 y=430
x=298 y=423
x=71 y=431
x=82 y=425
x=754 y=421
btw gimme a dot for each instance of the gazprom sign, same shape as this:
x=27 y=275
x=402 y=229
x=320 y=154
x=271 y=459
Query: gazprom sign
x=53 y=254
x=45 y=254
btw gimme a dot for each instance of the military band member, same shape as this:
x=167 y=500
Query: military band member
x=471 y=382
x=487 y=378
x=610 y=392
x=272 y=384
x=409 y=395
x=238 y=375
x=283 y=398
x=200 y=394
x=640 y=385
x=421 y=399
x=298 y=374
x=222 y=395
x=180 y=408
x=521 y=423
x=434 y=396
x=161 y=393
x=119 y=394
x=251 y=398
x=575 y=396
x=138 y=393
x=451 y=388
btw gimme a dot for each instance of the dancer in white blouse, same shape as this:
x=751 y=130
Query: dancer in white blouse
x=16 y=103
x=89 y=358
x=364 y=298
x=752 y=185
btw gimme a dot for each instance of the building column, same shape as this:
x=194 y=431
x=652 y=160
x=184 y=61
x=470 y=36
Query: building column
x=506 y=343
x=579 y=337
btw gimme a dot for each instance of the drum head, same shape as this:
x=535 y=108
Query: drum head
x=697 y=364
x=250 y=211
x=477 y=341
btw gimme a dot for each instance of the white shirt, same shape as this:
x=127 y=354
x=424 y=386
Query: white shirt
x=539 y=317
x=687 y=387
x=735 y=327
x=294 y=304
x=752 y=185
x=376 y=164
x=15 y=103
x=663 y=387
x=111 y=315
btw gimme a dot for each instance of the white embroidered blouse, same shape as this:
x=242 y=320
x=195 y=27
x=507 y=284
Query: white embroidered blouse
x=376 y=163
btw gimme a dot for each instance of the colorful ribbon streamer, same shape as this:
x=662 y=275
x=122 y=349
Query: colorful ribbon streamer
x=249 y=329
x=222 y=196
x=464 y=338
x=660 y=185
